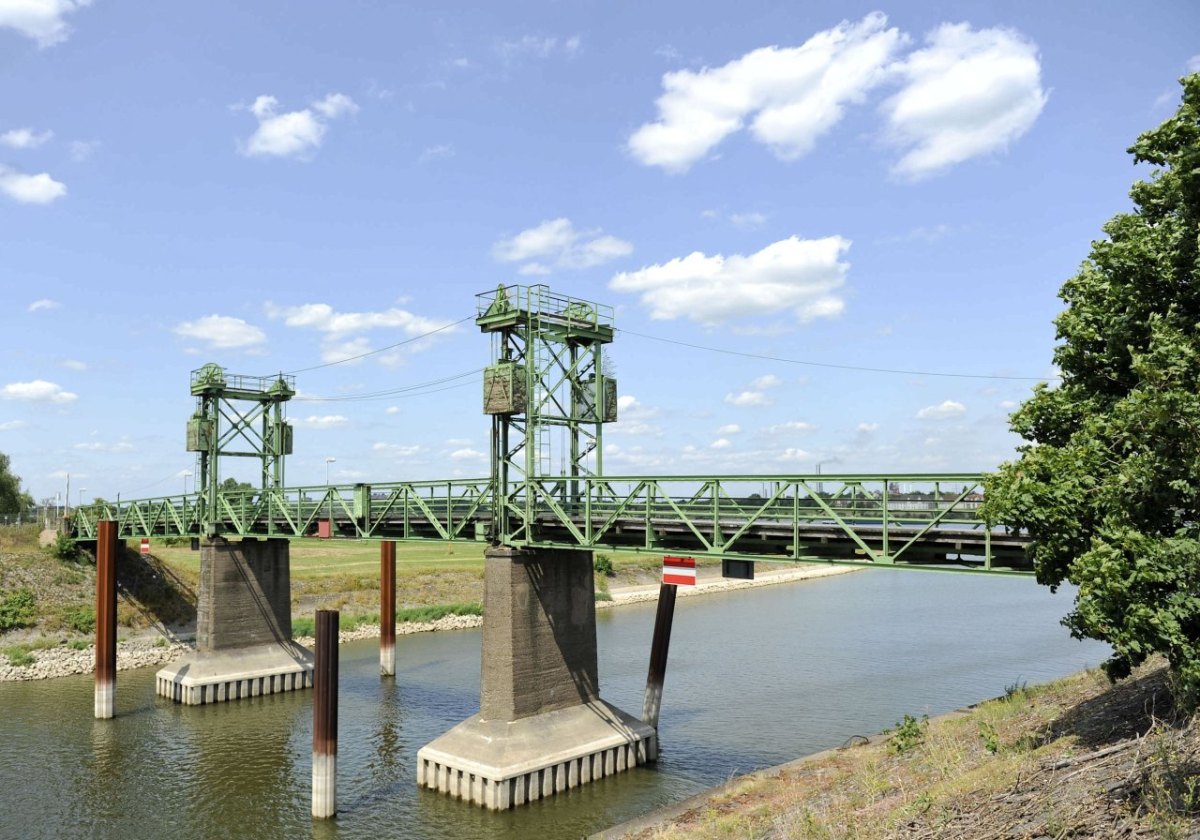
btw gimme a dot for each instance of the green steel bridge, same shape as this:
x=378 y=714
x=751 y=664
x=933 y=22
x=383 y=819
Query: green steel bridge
x=548 y=384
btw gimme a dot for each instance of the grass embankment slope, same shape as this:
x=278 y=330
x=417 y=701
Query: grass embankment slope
x=1076 y=758
x=46 y=601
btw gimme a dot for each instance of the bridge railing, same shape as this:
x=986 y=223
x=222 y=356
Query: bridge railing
x=878 y=520
x=437 y=510
x=862 y=519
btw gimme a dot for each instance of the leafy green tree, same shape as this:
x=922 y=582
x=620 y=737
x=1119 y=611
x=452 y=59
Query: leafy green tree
x=12 y=500
x=1108 y=485
x=232 y=485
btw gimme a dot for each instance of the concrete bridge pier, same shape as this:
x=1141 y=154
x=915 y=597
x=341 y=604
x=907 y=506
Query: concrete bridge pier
x=542 y=727
x=244 y=644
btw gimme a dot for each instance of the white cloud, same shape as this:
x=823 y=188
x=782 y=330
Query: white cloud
x=466 y=454
x=438 y=152
x=558 y=243
x=396 y=450
x=635 y=418
x=327 y=421
x=335 y=105
x=74 y=364
x=942 y=411
x=221 y=332
x=867 y=428
x=720 y=443
x=10 y=425
x=535 y=46
x=748 y=399
x=81 y=150
x=24 y=138
x=966 y=93
x=39 y=390
x=340 y=343
x=43 y=303
x=790 y=427
x=30 y=189
x=796 y=94
x=97 y=446
x=729 y=429
x=41 y=20
x=296 y=134
x=800 y=275
x=392 y=409
x=747 y=221
x=762 y=383
x=792 y=455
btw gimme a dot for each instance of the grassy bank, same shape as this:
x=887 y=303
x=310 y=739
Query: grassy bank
x=47 y=601
x=1076 y=758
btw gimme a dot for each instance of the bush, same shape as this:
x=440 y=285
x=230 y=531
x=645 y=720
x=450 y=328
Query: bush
x=603 y=565
x=909 y=733
x=81 y=620
x=18 y=609
x=63 y=547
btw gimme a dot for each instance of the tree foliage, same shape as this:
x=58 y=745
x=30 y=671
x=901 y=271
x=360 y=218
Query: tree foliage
x=12 y=500
x=1108 y=485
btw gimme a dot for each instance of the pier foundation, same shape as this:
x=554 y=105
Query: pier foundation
x=244 y=644
x=542 y=727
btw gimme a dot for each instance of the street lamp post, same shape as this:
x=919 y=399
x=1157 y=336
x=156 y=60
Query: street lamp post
x=328 y=461
x=186 y=475
x=82 y=490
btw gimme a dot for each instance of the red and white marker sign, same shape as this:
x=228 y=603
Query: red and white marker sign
x=680 y=571
x=145 y=545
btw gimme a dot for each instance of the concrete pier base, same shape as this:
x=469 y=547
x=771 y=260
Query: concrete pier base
x=504 y=764
x=243 y=628
x=542 y=727
x=219 y=676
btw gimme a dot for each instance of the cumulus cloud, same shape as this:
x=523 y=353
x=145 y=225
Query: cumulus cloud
x=466 y=454
x=30 y=189
x=221 y=332
x=39 y=390
x=720 y=443
x=797 y=275
x=557 y=244
x=747 y=221
x=792 y=455
x=795 y=94
x=635 y=418
x=747 y=399
x=339 y=340
x=43 y=303
x=327 y=421
x=43 y=21
x=867 y=428
x=729 y=429
x=966 y=93
x=24 y=138
x=942 y=411
x=10 y=425
x=295 y=134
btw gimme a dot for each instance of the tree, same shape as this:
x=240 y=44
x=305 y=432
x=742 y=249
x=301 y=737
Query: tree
x=232 y=485
x=1108 y=485
x=12 y=500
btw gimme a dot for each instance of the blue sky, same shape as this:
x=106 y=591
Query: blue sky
x=273 y=187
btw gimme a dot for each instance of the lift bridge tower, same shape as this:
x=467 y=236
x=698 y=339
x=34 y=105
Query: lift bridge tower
x=240 y=417
x=549 y=392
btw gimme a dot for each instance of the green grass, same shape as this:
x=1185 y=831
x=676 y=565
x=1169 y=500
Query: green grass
x=307 y=626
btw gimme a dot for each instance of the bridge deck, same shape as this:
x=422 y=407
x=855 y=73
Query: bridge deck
x=857 y=520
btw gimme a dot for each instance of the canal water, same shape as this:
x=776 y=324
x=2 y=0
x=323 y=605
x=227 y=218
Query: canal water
x=755 y=678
